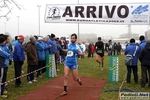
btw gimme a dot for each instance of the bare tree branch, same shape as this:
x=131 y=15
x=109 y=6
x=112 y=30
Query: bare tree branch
x=6 y=7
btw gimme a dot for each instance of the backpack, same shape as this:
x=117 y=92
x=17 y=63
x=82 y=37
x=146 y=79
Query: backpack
x=129 y=58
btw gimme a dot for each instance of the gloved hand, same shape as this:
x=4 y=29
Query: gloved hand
x=75 y=50
x=59 y=48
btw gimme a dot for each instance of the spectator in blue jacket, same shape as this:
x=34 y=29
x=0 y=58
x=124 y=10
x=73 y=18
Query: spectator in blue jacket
x=141 y=46
x=144 y=58
x=53 y=49
x=8 y=50
x=132 y=49
x=3 y=56
x=47 y=47
x=52 y=42
x=41 y=55
x=143 y=42
x=15 y=41
x=18 y=58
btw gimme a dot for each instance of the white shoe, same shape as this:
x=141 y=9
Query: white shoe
x=58 y=70
x=6 y=84
x=34 y=80
x=30 y=82
x=39 y=76
x=22 y=72
x=102 y=69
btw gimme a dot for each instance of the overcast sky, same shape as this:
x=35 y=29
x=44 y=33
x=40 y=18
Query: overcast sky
x=29 y=20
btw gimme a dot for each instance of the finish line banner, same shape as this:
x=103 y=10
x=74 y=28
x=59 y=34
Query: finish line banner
x=99 y=14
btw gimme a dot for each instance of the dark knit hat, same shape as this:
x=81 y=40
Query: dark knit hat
x=52 y=35
x=99 y=38
x=2 y=39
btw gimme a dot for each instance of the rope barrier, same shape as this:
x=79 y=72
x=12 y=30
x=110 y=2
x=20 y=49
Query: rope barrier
x=121 y=86
x=22 y=76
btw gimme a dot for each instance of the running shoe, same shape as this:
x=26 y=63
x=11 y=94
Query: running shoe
x=102 y=69
x=79 y=81
x=34 y=80
x=30 y=82
x=58 y=70
x=63 y=93
x=5 y=92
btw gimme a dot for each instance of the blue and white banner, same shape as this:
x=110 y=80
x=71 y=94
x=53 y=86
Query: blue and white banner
x=99 y=13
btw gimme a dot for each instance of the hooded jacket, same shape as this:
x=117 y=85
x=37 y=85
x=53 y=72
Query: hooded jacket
x=18 y=52
x=40 y=51
x=46 y=48
x=130 y=49
x=6 y=48
x=3 y=56
x=53 y=49
x=142 y=45
x=32 y=58
x=144 y=56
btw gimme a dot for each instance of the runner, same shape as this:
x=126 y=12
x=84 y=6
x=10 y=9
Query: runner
x=71 y=62
x=99 y=47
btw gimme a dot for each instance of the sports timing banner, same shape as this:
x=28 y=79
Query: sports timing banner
x=98 y=13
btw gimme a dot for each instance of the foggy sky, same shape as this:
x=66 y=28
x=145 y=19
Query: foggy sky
x=29 y=20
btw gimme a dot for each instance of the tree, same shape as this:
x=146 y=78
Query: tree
x=6 y=7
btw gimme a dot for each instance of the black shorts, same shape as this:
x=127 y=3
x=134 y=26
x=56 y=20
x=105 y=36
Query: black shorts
x=101 y=54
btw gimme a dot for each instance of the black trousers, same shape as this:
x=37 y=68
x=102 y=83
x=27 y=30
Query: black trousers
x=89 y=54
x=82 y=57
x=135 y=70
x=44 y=64
x=30 y=69
x=118 y=52
x=40 y=65
x=92 y=54
x=55 y=61
x=18 y=69
x=3 y=72
x=114 y=52
x=144 y=70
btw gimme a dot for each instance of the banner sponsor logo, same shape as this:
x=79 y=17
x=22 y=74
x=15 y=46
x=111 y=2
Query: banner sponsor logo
x=98 y=14
x=140 y=9
x=54 y=13
x=140 y=14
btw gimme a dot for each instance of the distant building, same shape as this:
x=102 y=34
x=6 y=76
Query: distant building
x=124 y=38
x=132 y=35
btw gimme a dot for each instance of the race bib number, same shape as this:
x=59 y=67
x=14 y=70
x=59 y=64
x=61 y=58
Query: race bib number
x=69 y=54
x=99 y=51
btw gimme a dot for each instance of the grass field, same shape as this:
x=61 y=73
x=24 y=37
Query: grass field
x=88 y=68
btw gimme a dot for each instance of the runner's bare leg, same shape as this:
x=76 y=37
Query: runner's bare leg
x=75 y=74
x=66 y=72
x=102 y=59
x=97 y=59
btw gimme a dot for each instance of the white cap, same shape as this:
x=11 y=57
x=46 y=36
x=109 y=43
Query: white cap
x=40 y=38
